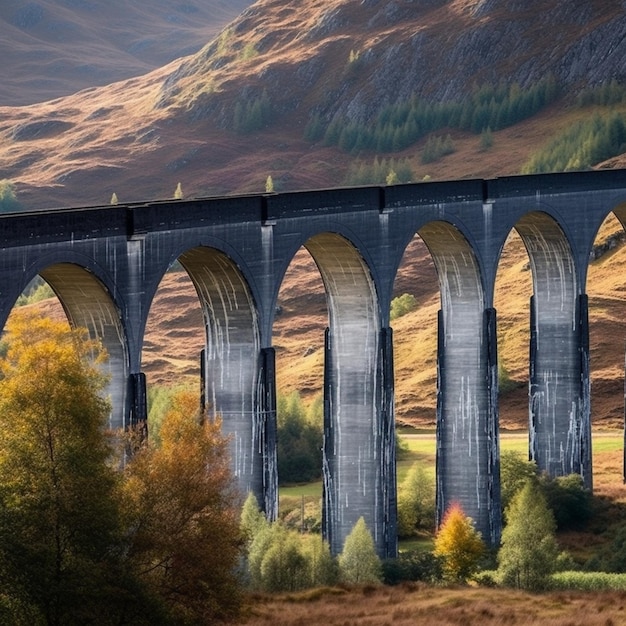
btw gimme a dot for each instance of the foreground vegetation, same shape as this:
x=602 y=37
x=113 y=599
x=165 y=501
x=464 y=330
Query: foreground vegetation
x=83 y=541
x=162 y=541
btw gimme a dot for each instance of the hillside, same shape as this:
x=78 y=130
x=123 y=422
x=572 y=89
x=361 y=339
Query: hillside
x=340 y=61
x=53 y=48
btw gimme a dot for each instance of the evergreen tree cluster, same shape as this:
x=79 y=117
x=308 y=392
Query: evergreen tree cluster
x=437 y=147
x=379 y=172
x=252 y=115
x=582 y=145
x=279 y=559
x=300 y=440
x=400 y=125
x=607 y=94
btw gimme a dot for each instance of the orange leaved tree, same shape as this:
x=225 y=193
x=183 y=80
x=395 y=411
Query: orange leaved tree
x=459 y=544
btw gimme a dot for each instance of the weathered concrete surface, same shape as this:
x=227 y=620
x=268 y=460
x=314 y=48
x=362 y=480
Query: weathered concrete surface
x=106 y=263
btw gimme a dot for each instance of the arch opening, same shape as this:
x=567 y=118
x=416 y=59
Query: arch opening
x=358 y=441
x=222 y=338
x=69 y=291
x=605 y=287
x=559 y=429
x=468 y=469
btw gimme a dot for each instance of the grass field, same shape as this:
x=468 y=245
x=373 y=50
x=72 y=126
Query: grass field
x=607 y=446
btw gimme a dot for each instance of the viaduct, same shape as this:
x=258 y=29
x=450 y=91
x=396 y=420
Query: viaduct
x=105 y=265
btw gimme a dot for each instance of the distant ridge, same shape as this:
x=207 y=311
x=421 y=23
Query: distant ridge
x=52 y=48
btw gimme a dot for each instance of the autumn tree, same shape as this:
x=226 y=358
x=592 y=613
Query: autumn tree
x=358 y=561
x=459 y=544
x=59 y=518
x=529 y=549
x=184 y=515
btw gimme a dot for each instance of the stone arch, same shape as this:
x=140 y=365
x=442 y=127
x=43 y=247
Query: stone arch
x=467 y=428
x=559 y=415
x=234 y=369
x=88 y=303
x=359 y=453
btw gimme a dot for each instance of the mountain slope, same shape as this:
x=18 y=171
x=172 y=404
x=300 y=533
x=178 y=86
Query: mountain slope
x=338 y=59
x=52 y=48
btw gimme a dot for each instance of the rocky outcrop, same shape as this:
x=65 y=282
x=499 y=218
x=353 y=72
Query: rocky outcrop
x=370 y=53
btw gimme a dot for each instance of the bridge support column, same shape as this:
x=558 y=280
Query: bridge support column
x=468 y=457
x=137 y=402
x=359 y=442
x=559 y=414
x=267 y=426
x=387 y=443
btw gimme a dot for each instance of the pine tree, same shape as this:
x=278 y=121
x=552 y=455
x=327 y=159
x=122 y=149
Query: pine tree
x=8 y=198
x=358 y=562
x=529 y=549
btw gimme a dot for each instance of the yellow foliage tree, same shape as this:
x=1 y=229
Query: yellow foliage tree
x=459 y=544
x=59 y=517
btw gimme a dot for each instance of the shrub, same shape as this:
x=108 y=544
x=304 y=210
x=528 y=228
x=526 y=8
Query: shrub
x=569 y=500
x=402 y=305
x=412 y=566
x=587 y=581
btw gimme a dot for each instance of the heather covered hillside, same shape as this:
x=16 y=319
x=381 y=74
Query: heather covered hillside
x=317 y=93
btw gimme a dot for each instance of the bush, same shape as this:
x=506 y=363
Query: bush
x=402 y=305
x=587 y=581
x=412 y=566
x=569 y=500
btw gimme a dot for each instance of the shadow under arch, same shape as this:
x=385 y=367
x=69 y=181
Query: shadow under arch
x=559 y=411
x=359 y=444
x=235 y=371
x=88 y=304
x=468 y=458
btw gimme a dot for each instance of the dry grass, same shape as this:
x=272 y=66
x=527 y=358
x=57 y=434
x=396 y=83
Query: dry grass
x=412 y=604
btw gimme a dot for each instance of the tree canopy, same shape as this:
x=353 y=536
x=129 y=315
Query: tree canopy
x=59 y=515
x=529 y=549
